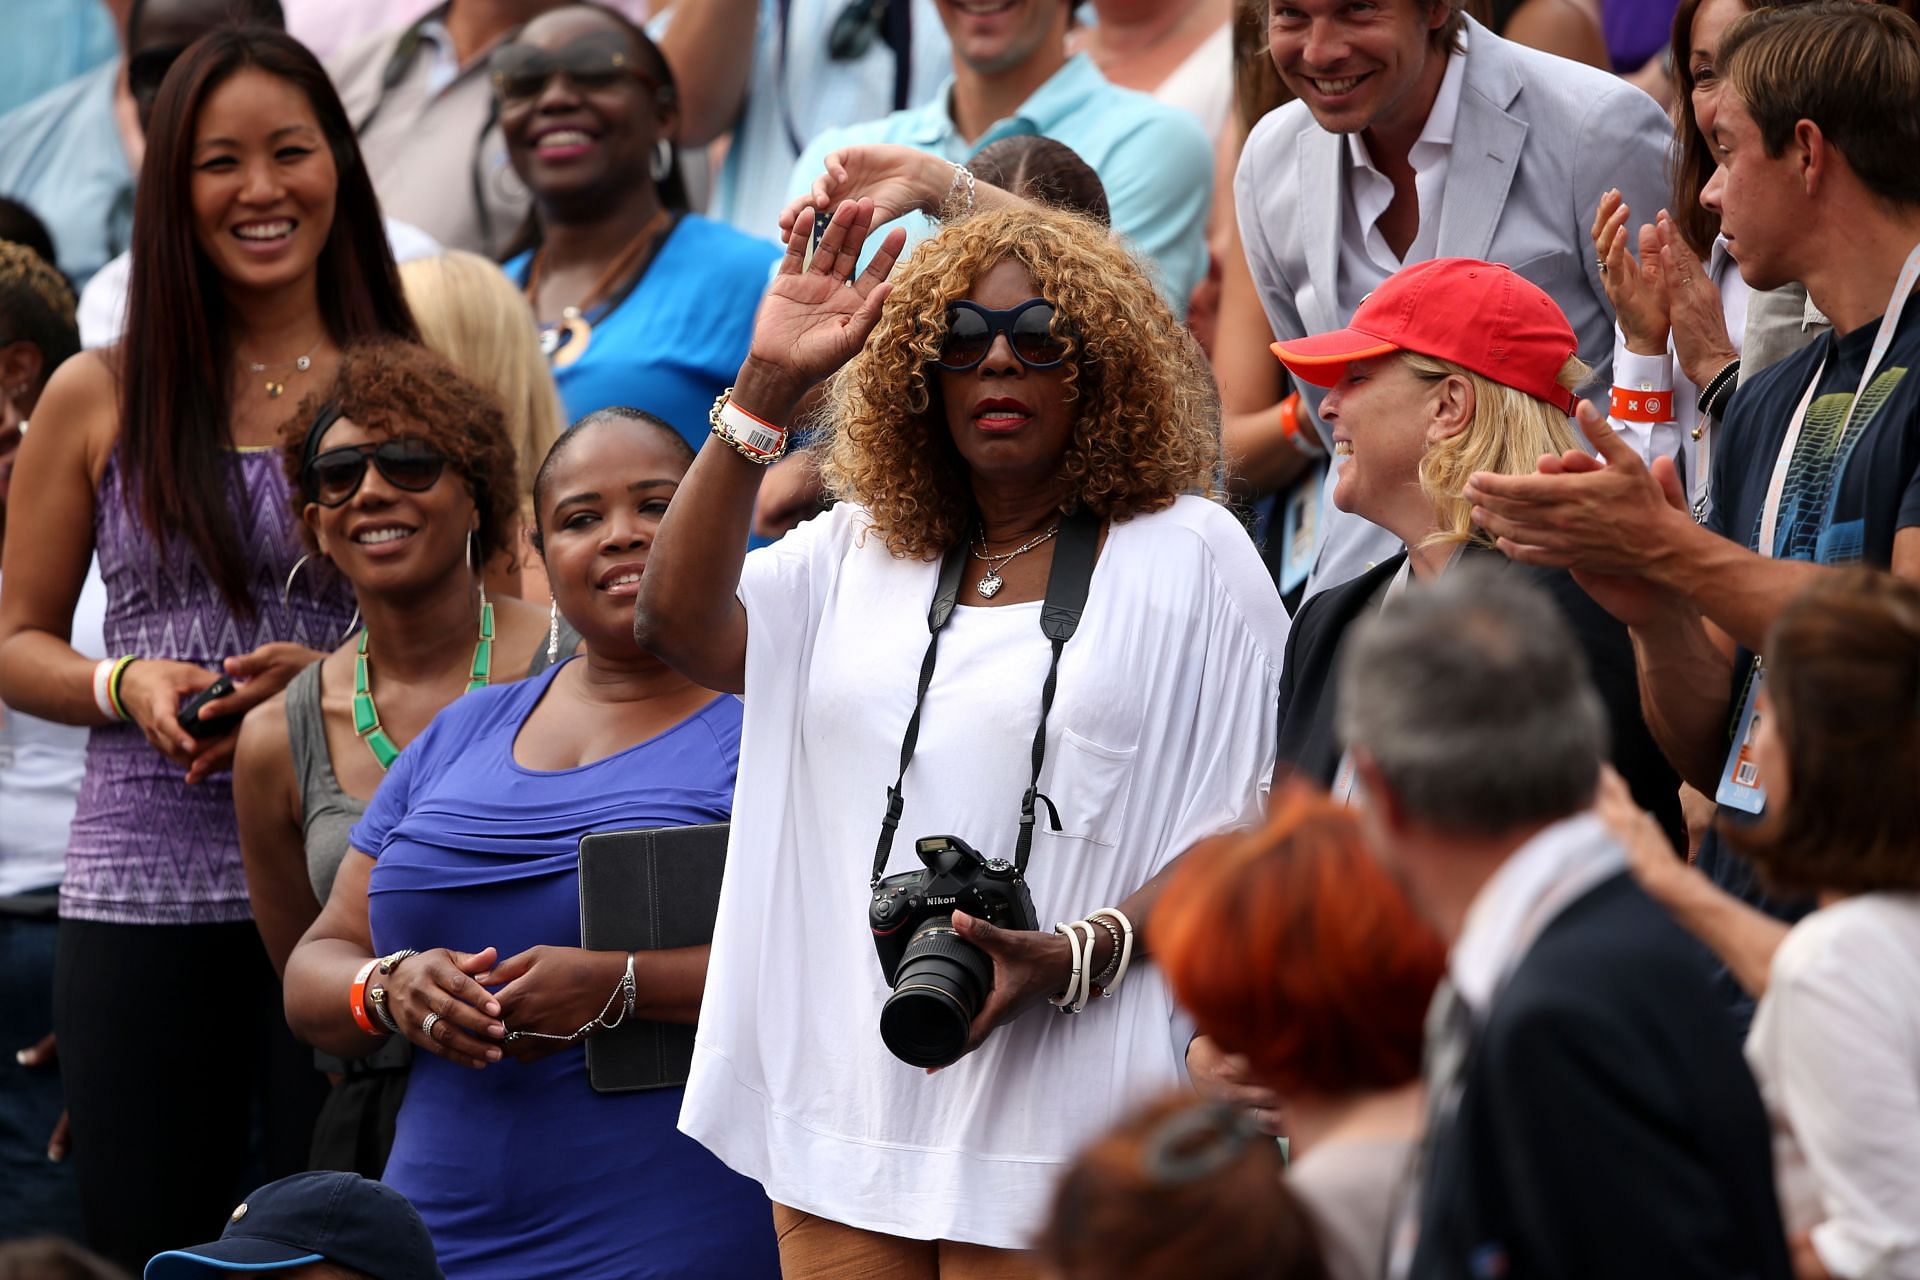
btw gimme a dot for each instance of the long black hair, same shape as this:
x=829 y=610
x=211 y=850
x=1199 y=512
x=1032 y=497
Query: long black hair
x=176 y=360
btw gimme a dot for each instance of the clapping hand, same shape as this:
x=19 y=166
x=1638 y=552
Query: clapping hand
x=1694 y=307
x=1637 y=288
x=817 y=315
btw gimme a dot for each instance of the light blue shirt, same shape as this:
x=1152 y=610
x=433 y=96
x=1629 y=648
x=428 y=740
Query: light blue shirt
x=45 y=43
x=61 y=156
x=1155 y=162
x=783 y=113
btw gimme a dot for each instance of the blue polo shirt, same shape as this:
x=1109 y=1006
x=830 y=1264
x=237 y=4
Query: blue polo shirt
x=1155 y=161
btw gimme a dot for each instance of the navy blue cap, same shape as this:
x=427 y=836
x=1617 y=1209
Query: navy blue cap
x=340 y=1218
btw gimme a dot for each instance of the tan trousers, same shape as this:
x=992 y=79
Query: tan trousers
x=818 y=1249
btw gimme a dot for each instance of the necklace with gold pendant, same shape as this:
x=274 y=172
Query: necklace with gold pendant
x=564 y=343
x=277 y=387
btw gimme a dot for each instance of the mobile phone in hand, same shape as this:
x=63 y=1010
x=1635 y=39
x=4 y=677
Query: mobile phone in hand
x=218 y=727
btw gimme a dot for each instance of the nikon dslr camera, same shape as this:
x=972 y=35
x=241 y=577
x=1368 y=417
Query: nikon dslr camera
x=940 y=980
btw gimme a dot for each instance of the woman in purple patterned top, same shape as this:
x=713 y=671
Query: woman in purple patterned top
x=258 y=254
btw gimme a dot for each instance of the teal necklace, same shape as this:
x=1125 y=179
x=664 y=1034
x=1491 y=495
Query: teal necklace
x=366 y=716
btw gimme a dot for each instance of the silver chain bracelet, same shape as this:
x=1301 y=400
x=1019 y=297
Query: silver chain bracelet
x=951 y=207
x=624 y=994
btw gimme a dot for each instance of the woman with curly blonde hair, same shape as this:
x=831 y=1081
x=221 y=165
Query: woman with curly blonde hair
x=1452 y=366
x=1018 y=404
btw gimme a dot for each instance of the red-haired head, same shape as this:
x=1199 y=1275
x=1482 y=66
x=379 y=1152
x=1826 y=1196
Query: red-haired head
x=1292 y=946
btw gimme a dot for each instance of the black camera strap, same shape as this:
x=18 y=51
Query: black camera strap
x=1067 y=583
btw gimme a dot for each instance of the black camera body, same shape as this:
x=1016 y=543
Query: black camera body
x=940 y=980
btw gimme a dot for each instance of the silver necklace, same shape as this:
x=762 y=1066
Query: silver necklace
x=991 y=582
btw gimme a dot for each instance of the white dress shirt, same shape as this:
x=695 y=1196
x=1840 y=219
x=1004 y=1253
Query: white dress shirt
x=1835 y=1049
x=1366 y=260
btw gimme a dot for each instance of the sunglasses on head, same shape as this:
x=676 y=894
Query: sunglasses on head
x=971 y=329
x=594 y=63
x=406 y=463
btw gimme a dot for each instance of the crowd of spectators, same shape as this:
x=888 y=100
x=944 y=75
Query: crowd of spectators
x=1353 y=561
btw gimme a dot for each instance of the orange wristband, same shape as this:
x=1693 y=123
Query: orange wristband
x=1642 y=406
x=357 y=1000
x=1296 y=432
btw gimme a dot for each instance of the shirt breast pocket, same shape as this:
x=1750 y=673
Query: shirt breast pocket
x=1089 y=784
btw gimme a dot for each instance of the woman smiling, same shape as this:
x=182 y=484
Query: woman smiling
x=640 y=301
x=404 y=477
x=464 y=873
x=258 y=255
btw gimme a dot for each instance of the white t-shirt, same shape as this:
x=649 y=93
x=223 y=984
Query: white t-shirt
x=1835 y=1048
x=1162 y=732
x=41 y=764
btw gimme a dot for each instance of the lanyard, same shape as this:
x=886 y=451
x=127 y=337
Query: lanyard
x=1882 y=339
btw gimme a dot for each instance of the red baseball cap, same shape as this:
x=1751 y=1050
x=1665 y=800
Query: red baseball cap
x=1480 y=315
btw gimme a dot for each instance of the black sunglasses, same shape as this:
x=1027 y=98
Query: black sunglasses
x=971 y=329
x=146 y=69
x=594 y=63
x=405 y=463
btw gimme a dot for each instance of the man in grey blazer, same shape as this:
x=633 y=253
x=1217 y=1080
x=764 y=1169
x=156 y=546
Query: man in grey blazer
x=1417 y=133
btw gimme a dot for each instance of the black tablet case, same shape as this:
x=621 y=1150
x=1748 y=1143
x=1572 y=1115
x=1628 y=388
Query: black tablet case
x=647 y=890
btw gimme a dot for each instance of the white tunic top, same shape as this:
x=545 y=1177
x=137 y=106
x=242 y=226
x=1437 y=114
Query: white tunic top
x=1162 y=733
x=1835 y=1048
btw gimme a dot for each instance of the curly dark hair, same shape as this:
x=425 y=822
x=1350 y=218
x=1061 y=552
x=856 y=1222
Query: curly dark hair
x=401 y=388
x=1147 y=429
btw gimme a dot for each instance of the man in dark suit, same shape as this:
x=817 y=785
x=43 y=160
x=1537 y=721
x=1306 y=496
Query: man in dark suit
x=1589 y=1110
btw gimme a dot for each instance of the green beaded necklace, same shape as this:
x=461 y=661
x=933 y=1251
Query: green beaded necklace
x=366 y=716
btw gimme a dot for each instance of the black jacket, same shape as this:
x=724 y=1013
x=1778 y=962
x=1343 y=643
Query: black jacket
x=1608 y=1126
x=1309 y=743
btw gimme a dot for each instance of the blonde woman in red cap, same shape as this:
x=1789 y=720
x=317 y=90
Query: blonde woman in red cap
x=1450 y=367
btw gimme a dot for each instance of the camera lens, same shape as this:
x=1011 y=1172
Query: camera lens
x=937 y=990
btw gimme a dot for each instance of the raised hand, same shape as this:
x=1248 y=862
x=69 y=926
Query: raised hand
x=1636 y=288
x=897 y=179
x=816 y=315
x=1694 y=309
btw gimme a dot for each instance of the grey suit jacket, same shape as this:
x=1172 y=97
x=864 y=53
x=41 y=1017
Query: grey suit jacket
x=1539 y=139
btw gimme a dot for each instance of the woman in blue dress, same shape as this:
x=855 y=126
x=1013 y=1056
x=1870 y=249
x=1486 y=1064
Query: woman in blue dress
x=639 y=300
x=467 y=860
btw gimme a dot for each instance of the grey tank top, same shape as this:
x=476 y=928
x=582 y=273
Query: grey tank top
x=328 y=814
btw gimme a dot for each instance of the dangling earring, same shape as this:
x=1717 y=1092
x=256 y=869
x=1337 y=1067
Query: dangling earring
x=286 y=592
x=662 y=160
x=553 y=633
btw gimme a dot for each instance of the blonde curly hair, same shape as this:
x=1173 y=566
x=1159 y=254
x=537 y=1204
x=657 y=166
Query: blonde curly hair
x=1147 y=427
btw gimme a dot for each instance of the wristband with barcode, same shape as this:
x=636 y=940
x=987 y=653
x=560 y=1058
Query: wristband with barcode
x=755 y=439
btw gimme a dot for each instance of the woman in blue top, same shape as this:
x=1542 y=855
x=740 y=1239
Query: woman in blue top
x=639 y=300
x=467 y=857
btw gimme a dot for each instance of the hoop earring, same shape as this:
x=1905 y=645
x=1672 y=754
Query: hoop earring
x=662 y=160
x=353 y=623
x=286 y=592
x=553 y=633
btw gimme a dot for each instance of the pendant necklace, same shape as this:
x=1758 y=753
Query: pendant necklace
x=564 y=343
x=277 y=387
x=991 y=582
x=366 y=716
